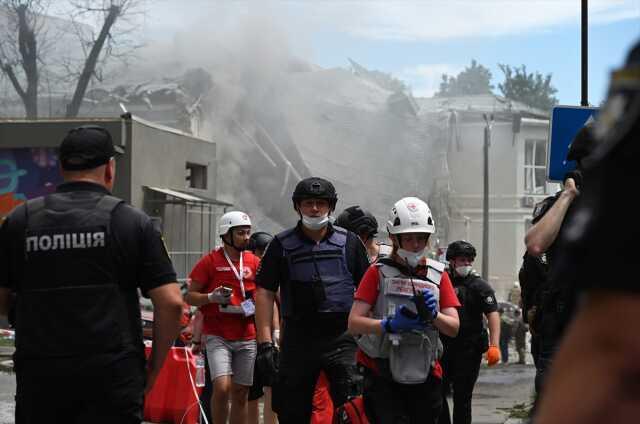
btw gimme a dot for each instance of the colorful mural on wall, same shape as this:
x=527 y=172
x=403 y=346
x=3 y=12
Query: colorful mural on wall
x=26 y=173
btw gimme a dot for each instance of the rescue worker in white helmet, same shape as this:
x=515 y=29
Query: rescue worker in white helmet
x=402 y=304
x=222 y=285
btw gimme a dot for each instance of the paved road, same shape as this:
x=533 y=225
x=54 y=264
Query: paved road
x=499 y=387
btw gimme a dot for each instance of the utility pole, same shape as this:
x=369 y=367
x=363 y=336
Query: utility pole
x=485 y=200
x=585 y=53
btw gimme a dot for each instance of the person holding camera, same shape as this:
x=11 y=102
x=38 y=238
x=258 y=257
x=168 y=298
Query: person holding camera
x=222 y=286
x=401 y=306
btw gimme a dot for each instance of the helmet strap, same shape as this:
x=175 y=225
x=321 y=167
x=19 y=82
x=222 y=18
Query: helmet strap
x=230 y=244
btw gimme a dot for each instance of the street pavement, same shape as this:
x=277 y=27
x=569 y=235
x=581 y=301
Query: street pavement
x=499 y=389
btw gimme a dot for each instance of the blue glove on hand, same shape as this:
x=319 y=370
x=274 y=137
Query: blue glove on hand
x=404 y=319
x=431 y=303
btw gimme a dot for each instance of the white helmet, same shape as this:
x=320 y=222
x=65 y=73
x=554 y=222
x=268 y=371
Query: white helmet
x=232 y=219
x=410 y=215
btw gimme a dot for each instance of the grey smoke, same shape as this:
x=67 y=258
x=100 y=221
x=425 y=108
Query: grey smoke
x=277 y=117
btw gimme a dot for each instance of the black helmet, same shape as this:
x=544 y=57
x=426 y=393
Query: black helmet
x=358 y=221
x=259 y=240
x=583 y=143
x=461 y=248
x=315 y=188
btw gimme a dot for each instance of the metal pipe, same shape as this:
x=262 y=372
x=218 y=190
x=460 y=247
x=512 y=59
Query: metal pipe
x=186 y=241
x=485 y=200
x=585 y=53
x=202 y=228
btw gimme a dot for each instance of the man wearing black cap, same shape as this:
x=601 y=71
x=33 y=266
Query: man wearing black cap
x=557 y=301
x=316 y=267
x=75 y=260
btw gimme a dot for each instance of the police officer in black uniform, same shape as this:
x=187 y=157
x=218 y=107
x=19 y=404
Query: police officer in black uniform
x=596 y=366
x=463 y=354
x=75 y=260
x=556 y=300
x=317 y=267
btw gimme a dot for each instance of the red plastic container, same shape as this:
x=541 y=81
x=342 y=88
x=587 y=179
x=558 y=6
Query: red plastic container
x=322 y=410
x=172 y=399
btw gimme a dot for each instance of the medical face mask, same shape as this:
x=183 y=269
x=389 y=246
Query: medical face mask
x=315 y=222
x=463 y=271
x=412 y=258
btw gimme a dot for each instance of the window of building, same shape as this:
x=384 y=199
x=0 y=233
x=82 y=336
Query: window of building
x=196 y=176
x=535 y=166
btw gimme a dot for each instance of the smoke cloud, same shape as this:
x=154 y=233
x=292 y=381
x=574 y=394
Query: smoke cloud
x=277 y=117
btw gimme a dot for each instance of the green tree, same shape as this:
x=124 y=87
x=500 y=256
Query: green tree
x=475 y=79
x=532 y=89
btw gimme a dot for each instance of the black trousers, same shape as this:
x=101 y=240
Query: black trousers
x=302 y=357
x=388 y=402
x=59 y=392
x=461 y=366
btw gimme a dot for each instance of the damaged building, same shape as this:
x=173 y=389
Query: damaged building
x=361 y=129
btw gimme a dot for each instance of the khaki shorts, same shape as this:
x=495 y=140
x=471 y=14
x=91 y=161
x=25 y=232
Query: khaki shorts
x=231 y=357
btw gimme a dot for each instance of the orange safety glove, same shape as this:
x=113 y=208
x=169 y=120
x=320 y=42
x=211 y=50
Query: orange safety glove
x=493 y=355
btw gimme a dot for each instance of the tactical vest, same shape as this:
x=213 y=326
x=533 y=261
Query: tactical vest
x=70 y=302
x=319 y=280
x=411 y=354
x=470 y=314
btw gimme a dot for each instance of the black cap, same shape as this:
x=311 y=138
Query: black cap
x=315 y=188
x=86 y=147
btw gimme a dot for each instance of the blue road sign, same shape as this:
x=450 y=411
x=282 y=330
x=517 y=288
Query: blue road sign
x=566 y=121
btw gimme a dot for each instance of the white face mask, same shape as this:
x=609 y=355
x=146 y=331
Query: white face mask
x=412 y=258
x=315 y=222
x=463 y=271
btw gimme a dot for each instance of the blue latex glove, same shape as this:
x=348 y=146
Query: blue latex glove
x=430 y=302
x=403 y=319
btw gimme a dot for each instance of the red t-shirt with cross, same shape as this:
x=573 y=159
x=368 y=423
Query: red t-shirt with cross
x=369 y=289
x=213 y=271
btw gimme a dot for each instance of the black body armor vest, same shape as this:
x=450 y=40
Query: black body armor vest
x=70 y=303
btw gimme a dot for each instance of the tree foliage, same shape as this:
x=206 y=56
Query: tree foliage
x=38 y=43
x=475 y=79
x=532 y=89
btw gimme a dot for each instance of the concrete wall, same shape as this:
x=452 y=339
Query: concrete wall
x=159 y=156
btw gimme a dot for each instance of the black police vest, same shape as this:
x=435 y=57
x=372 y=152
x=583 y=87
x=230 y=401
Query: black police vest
x=472 y=333
x=319 y=280
x=70 y=303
